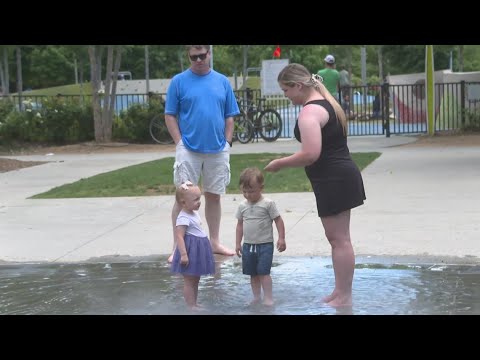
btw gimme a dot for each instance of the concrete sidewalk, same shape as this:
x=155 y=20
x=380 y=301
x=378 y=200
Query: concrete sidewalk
x=421 y=202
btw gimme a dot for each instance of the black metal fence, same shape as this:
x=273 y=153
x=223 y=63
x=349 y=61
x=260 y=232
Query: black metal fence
x=372 y=110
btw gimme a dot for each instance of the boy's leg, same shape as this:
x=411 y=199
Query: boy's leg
x=256 y=289
x=264 y=266
x=249 y=264
x=266 y=281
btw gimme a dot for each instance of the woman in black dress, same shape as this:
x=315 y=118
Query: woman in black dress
x=336 y=180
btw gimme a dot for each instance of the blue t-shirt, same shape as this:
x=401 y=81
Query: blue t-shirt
x=201 y=104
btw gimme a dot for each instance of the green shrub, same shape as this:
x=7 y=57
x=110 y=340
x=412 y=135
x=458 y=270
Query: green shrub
x=472 y=121
x=133 y=124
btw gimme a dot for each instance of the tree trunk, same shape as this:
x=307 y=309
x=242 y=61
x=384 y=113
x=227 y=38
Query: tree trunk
x=2 y=77
x=6 y=73
x=245 y=66
x=19 y=75
x=460 y=57
x=380 y=63
x=104 y=101
x=75 y=69
x=147 y=71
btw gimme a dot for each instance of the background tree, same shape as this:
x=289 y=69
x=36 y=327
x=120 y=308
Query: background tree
x=104 y=99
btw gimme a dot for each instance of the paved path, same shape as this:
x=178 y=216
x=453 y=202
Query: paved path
x=421 y=202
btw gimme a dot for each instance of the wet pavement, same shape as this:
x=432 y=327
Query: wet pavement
x=416 y=241
x=146 y=286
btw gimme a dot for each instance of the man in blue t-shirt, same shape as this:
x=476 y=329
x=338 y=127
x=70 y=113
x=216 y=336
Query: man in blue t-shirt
x=199 y=112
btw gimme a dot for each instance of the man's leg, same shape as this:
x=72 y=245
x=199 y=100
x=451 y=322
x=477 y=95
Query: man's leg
x=216 y=177
x=213 y=214
x=175 y=211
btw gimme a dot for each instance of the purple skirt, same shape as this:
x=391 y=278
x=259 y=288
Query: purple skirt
x=200 y=257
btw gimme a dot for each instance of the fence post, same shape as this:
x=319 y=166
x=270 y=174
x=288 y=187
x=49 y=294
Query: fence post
x=386 y=108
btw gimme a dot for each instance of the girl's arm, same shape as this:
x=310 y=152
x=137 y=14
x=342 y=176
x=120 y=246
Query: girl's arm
x=180 y=236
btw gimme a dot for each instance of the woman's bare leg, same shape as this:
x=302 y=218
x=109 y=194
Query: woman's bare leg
x=337 y=230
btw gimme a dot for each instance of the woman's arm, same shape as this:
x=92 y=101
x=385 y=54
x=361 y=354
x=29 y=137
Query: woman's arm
x=310 y=122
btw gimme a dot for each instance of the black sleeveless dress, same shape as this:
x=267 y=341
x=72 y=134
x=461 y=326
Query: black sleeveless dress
x=335 y=178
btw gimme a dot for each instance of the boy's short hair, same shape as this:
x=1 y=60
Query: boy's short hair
x=250 y=175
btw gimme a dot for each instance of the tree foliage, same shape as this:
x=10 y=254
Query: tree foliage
x=54 y=65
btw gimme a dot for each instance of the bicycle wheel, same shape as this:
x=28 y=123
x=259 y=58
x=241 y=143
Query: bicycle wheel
x=158 y=130
x=243 y=130
x=270 y=125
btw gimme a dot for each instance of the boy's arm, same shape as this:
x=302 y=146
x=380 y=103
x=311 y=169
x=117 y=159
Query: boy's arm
x=239 y=236
x=281 y=244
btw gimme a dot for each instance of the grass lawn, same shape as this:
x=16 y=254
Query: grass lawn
x=155 y=178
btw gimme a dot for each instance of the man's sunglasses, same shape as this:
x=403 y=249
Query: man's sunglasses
x=199 y=56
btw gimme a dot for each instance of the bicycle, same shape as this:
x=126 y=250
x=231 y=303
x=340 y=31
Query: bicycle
x=158 y=130
x=255 y=120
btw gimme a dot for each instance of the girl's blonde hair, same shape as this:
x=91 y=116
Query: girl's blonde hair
x=298 y=74
x=182 y=190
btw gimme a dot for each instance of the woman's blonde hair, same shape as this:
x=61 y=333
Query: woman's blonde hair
x=298 y=74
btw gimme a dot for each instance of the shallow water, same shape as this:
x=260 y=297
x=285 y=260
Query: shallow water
x=147 y=287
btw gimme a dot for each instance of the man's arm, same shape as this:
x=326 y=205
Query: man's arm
x=229 y=127
x=173 y=129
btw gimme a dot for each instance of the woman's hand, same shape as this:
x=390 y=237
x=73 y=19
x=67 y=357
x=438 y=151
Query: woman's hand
x=273 y=166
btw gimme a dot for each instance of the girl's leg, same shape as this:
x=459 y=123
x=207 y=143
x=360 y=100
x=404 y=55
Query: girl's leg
x=190 y=290
x=256 y=289
x=266 y=281
x=337 y=230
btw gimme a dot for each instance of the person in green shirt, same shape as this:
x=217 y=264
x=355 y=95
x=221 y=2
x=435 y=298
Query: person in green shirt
x=330 y=76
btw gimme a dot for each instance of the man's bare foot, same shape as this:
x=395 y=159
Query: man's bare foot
x=222 y=250
x=170 y=258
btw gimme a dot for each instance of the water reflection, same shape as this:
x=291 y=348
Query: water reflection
x=148 y=287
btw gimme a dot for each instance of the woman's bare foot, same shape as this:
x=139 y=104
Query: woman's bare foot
x=330 y=297
x=197 y=307
x=268 y=302
x=222 y=250
x=340 y=301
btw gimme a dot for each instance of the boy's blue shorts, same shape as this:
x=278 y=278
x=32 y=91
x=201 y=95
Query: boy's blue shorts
x=257 y=258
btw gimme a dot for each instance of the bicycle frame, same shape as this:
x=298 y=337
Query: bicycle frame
x=266 y=123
